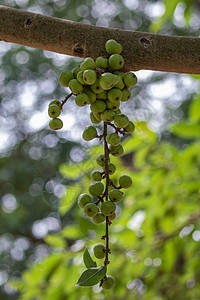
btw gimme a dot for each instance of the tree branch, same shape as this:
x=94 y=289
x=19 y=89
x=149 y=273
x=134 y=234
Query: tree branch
x=141 y=50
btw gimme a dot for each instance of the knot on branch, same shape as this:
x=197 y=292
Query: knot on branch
x=28 y=22
x=78 y=49
x=145 y=42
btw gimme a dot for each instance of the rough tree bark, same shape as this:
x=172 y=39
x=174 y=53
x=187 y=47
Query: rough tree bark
x=141 y=50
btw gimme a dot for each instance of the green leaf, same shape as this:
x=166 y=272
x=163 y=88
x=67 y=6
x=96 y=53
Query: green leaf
x=92 y=276
x=72 y=231
x=195 y=76
x=77 y=169
x=17 y=284
x=187 y=131
x=69 y=198
x=88 y=261
x=194 y=111
x=55 y=241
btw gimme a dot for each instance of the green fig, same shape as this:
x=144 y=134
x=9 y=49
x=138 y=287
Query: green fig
x=101 y=62
x=96 y=188
x=108 y=80
x=108 y=208
x=55 y=124
x=108 y=283
x=88 y=63
x=75 y=86
x=54 y=111
x=99 y=251
x=65 y=78
x=130 y=79
x=82 y=99
x=116 y=61
x=121 y=121
x=125 y=181
x=90 y=210
x=112 y=47
x=89 y=133
x=89 y=76
x=84 y=199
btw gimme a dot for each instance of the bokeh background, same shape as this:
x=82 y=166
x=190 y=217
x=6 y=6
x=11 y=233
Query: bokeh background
x=156 y=237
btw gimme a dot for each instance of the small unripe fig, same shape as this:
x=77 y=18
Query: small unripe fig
x=57 y=102
x=121 y=121
x=96 y=175
x=93 y=119
x=99 y=251
x=108 y=80
x=96 y=188
x=117 y=111
x=91 y=95
x=125 y=181
x=126 y=95
x=98 y=106
x=97 y=116
x=115 y=195
x=113 y=47
x=55 y=124
x=114 y=95
x=101 y=62
x=112 y=217
x=84 y=199
x=82 y=99
x=88 y=63
x=90 y=210
x=116 y=150
x=130 y=79
x=89 y=76
x=99 y=218
x=108 y=208
x=54 y=111
x=102 y=96
x=120 y=84
x=111 y=168
x=96 y=88
x=108 y=283
x=108 y=115
x=89 y=133
x=113 y=105
x=116 y=61
x=113 y=139
x=130 y=127
x=75 y=86
x=76 y=71
x=65 y=78
x=110 y=188
x=100 y=160
x=80 y=77
x=122 y=74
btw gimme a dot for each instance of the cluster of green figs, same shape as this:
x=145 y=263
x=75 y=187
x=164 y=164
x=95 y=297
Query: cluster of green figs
x=102 y=85
x=96 y=190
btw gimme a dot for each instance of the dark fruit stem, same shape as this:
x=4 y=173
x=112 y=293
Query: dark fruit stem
x=106 y=261
x=65 y=100
x=106 y=158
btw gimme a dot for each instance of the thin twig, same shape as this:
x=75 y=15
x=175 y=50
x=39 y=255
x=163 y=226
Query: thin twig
x=65 y=100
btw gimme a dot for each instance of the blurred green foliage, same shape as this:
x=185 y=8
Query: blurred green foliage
x=43 y=234
x=154 y=240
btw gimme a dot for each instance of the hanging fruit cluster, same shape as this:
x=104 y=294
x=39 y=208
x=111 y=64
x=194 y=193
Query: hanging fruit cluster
x=102 y=85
